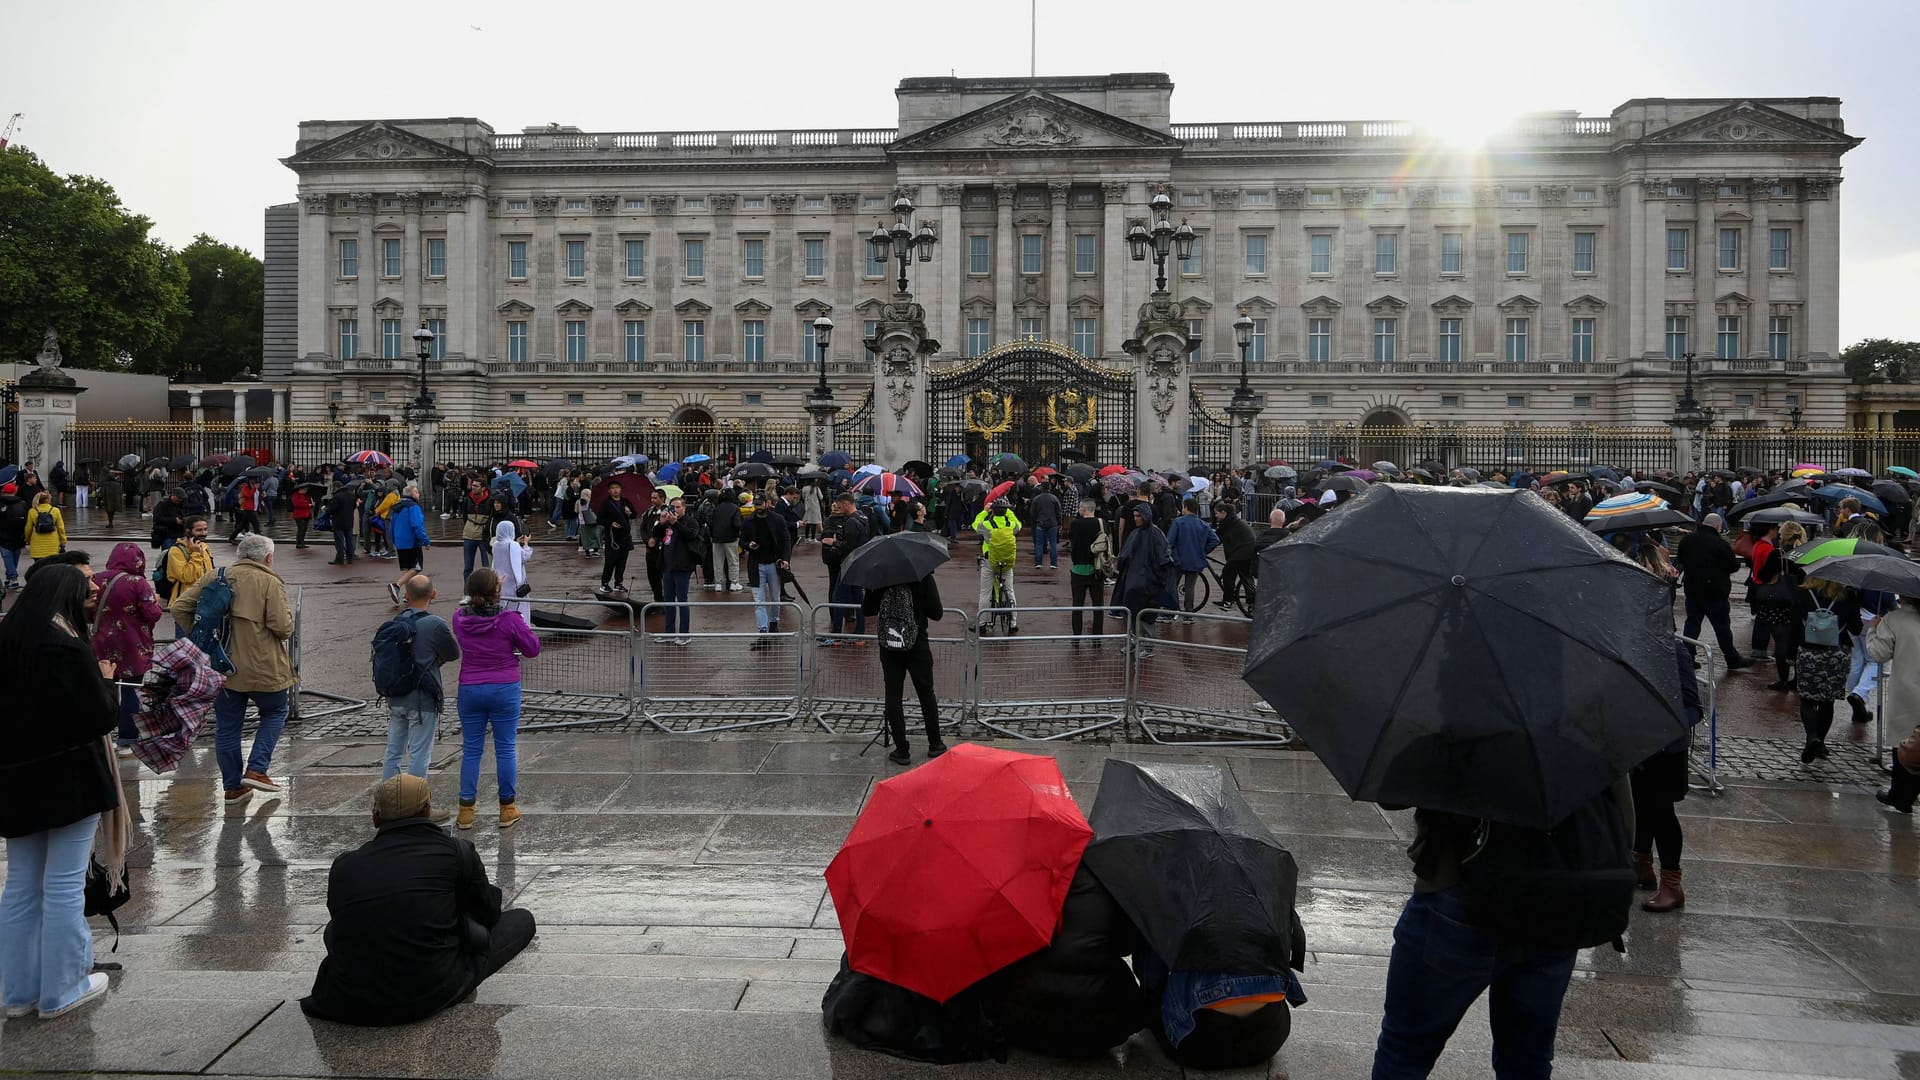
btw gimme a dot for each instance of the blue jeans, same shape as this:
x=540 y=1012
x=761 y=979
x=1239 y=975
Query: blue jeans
x=677 y=582
x=483 y=706
x=229 y=711
x=843 y=593
x=1046 y=541
x=342 y=543
x=468 y=550
x=46 y=950
x=1863 y=675
x=411 y=723
x=12 y=557
x=766 y=595
x=1440 y=966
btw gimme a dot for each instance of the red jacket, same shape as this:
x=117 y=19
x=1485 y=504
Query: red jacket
x=302 y=503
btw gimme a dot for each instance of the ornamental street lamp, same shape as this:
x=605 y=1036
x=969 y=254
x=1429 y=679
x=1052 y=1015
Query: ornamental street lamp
x=1688 y=404
x=902 y=240
x=1162 y=240
x=1243 y=336
x=423 y=348
x=822 y=334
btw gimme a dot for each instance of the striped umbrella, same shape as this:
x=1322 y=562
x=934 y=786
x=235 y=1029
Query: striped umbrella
x=369 y=457
x=884 y=485
x=1633 y=511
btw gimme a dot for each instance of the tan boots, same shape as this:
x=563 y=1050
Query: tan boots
x=1671 y=896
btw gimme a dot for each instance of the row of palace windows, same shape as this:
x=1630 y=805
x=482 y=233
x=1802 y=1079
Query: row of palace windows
x=1086 y=255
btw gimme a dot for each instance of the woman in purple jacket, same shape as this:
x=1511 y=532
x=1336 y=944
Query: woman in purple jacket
x=491 y=643
x=126 y=611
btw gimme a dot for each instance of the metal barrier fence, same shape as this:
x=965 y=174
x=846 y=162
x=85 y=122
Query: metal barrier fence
x=585 y=674
x=846 y=688
x=297 y=711
x=1706 y=767
x=723 y=679
x=1190 y=691
x=1045 y=682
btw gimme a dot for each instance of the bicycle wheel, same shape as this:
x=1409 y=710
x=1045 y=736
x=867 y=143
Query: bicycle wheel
x=1203 y=589
x=1246 y=598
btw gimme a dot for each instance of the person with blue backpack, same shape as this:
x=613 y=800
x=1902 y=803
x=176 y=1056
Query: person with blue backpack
x=408 y=652
x=239 y=617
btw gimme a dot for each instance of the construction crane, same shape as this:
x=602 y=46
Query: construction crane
x=6 y=136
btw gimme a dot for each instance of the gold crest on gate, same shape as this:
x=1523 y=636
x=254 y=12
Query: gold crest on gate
x=988 y=413
x=1070 y=413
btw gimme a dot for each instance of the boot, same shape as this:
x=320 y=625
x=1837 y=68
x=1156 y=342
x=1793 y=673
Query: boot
x=1900 y=795
x=509 y=813
x=1671 y=896
x=1643 y=870
x=465 y=820
x=1783 y=673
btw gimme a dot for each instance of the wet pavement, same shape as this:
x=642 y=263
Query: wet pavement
x=685 y=929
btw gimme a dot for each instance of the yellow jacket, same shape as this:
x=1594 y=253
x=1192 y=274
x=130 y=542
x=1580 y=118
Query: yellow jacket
x=385 y=509
x=42 y=544
x=184 y=567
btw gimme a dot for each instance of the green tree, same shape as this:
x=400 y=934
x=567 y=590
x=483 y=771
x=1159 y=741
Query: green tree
x=1882 y=360
x=74 y=259
x=219 y=333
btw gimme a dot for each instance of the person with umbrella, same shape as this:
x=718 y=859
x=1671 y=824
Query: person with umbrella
x=616 y=522
x=896 y=572
x=1706 y=565
x=109 y=496
x=1774 y=577
x=302 y=503
x=1146 y=574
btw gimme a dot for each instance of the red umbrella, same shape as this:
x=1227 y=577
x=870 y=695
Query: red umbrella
x=1044 y=471
x=998 y=490
x=1112 y=470
x=523 y=463
x=956 y=869
x=634 y=487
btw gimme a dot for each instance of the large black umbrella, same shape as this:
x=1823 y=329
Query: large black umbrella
x=1343 y=482
x=754 y=470
x=1797 y=497
x=1891 y=492
x=237 y=464
x=554 y=467
x=1070 y=453
x=761 y=457
x=1007 y=463
x=1887 y=573
x=922 y=469
x=894 y=559
x=1665 y=491
x=1780 y=515
x=1080 y=470
x=790 y=460
x=1469 y=650
x=182 y=461
x=1603 y=472
x=1194 y=868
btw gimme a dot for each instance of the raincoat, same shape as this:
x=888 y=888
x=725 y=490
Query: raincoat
x=126 y=613
x=42 y=544
x=510 y=562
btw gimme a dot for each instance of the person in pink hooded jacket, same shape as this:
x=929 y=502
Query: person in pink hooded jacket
x=126 y=610
x=492 y=640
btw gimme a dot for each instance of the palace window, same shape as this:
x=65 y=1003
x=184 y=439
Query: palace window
x=634 y=335
x=876 y=262
x=1583 y=243
x=349 y=258
x=1449 y=340
x=1030 y=253
x=693 y=254
x=633 y=204
x=979 y=255
x=517 y=259
x=577 y=399
x=576 y=259
x=1033 y=330
x=1678 y=241
x=1517 y=245
x=869 y=329
x=389 y=258
x=517 y=341
x=1451 y=246
x=1727 y=340
x=636 y=258
x=390 y=340
x=1197 y=264
x=1085 y=253
x=516 y=399
x=979 y=336
x=1516 y=341
x=807 y=345
x=693 y=341
x=1779 y=337
x=1729 y=249
x=438 y=349
x=1319 y=339
x=1779 y=249
x=349 y=338
x=1320 y=253
x=1257 y=342
x=1086 y=337
x=815 y=252
x=1385 y=332
x=1256 y=253
x=753 y=256
x=436 y=258
x=1676 y=337
x=576 y=204
x=753 y=340
x=1386 y=253
x=576 y=340
x=1582 y=350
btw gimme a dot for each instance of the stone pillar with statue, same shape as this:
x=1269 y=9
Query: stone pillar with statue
x=48 y=399
x=900 y=381
x=1162 y=379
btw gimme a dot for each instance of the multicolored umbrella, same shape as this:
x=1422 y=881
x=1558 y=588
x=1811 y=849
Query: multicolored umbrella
x=1806 y=468
x=176 y=697
x=1116 y=484
x=1835 y=547
x=957 y=868
x=369 y=457
x=885 y=485
x=1011 y=463
x=1631 y=511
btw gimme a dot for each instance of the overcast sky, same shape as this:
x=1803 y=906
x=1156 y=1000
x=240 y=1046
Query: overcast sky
x=185 y=106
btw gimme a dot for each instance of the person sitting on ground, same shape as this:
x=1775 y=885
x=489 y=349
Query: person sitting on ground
x=415 y=925
x=1077 y=997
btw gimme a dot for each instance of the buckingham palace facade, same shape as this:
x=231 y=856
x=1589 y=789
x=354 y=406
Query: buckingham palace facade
x=1559 y=274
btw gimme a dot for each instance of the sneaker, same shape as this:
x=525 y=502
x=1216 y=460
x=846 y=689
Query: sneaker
x=239 y=794
x=1861 y=715
x=509 y=813
x=683 y=641
x=736 y=587
x=900 y=757
x=443 y=517
x=713 y=588
x=1757 y=656
x=94 y=989
x=619 y=588
x=123 y=749
x=465 y=820
x=465 y=600
x=936 y=748
x=1223 y=605
x=393 y=590
x=761 y=644
x=259 y=781
x=15 y=1012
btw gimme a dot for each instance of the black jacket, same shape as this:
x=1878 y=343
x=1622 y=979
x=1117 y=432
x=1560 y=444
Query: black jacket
x=169 y=521
x=54 y=768
x=1236 y=538
x=848 y=532
x=1077 y=996
x=1080 y=537
x=410 y=913
x=1707 y=563
x=683 y=544
x=926 y=602
x=616 y=521
x=13 y=521
x=773 y=535
x=724 y=526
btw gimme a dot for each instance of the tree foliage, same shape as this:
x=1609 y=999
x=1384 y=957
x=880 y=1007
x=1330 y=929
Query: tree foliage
x=74 y=259
x=218 y=335
x=1882 y=360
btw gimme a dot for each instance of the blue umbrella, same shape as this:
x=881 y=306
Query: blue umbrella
x=630 y=461
x=696 y=459
x=834 y=459
x=1833 y=493
x=8 y=472
x=842 y=475
x=668 y=472
x=512 y=481
x=959 y=461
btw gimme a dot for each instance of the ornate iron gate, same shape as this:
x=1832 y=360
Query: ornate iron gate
x=1209 y=436
x=10 y=433
x=1030 y=398
x=853 y=432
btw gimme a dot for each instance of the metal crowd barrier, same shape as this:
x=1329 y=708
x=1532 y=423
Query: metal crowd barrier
x=1190 y=691
x=846 y=689
x=727 y=675
x=297 y=711
x=586 y=675
x=1706 y=768
x=1048 y=678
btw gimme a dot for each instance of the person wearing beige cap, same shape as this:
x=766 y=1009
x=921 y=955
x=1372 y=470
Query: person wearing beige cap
x=416 y=926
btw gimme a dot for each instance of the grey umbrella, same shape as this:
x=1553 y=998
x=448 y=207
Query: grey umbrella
x=1887 y=573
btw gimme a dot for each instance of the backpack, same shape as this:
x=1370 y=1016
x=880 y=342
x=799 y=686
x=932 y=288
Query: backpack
x=160 y=579
x=213 y=622
x=1102 y=549
x=1568 y=887
x=1002 y=541
x=396 y=670
x=1821 y=627
x=899 y=627
x=44 y=523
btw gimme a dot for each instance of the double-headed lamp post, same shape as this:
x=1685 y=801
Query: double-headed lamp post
x=1243 y=337
x=423 y=348
x=1162 y=240
x=900 y=241
x=822 y=334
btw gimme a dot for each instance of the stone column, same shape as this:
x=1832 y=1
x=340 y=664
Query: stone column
x=1162 y=381
x=280 y=403
x=424 y=429
x=48 y=398
x=368 y=273
x=1689 y=442
x=1246 y=414
x=199 y=413
x=950 y=263
x=900 y=381
x=316 y=277
x=820 y=414
x=1003 y=263
x=239 y=417
x=413 y=263
x=1059 y=275
x=1113 y=266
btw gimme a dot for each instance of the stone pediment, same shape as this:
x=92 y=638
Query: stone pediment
x=1258 y=303
x=1034 y=122
x=1585 y=304
x=633 y=306
x=692 y=307
x=750 y=306
x=379 y=143
x=872 y=307
x=574 y=307
x=1387 y=304
x=1321 y=305
x=1746 y=124
x=516 y=307
x=1453 y=304
x=1519 y=302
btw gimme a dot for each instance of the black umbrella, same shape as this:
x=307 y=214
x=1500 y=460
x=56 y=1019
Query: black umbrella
x=258 y=472
x=1069 y=453
x=894 y=559
x=1603 y=472
x=1665 y=491
x=923 y=470
x=554 y=467
x=237 y=464
x=1887 y=573
x=1724 y=474
x=1421 y=473
x=183 y=461
x=88 y=461
x=1780 y=515
x=973 y=484
x=790 y=460
x=1750 y=470
x=1194 y=868
x=1343 y=482
x=1080 y=470
x=1280 y=472
x=754 y=470
x=1468 y=650
x=1799 y=496
x=761 y=457
x=1891 y=492
x=1007 y=463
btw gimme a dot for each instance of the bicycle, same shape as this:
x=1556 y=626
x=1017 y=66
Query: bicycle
x=1003 y=607
x=1203 y=588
